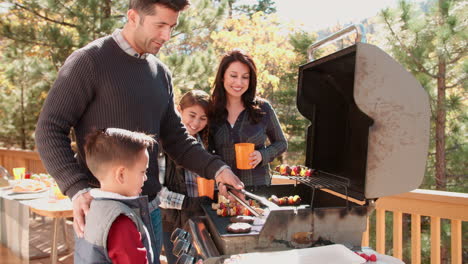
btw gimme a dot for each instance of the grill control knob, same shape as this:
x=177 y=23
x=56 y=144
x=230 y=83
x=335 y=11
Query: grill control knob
x=179 y=233
x=182 y=246
x=185 y=259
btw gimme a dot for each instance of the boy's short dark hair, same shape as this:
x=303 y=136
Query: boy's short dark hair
x=109 y=145
x=146 y=7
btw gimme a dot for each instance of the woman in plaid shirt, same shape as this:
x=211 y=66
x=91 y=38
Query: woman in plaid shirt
x=179 y=198
x=239 y=116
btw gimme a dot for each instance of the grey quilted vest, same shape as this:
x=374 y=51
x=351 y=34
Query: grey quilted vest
x=92 y=248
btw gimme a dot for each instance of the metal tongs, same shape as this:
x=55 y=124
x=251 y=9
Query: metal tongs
x=262 y=200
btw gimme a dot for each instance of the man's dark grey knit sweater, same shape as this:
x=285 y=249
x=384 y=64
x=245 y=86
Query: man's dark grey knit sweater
x=101 y=86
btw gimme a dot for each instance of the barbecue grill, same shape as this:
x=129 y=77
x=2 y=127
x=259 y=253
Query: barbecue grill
x=368 y=137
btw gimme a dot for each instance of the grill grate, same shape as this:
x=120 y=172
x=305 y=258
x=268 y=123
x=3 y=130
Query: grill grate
x=323 y=180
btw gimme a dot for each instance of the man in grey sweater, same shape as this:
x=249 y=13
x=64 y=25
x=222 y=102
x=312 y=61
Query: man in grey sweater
x=116 y=81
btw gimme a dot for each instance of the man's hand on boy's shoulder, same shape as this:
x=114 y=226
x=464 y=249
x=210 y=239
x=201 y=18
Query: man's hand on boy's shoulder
x=80 y=208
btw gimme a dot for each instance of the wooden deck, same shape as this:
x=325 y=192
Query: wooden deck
x=40 y=242
x=41 y=229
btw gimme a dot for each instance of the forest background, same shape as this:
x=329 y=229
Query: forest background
x=428 y=38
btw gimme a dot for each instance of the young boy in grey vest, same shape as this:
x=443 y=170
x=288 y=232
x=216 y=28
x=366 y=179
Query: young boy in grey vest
x=118 y=227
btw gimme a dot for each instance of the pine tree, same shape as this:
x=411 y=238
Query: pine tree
x=60 y=27
x=37 y=36
x=24 y=85
x=46 y=32
x=296 y=123
x=433 y=46
x=265 y=6
x=189 y=54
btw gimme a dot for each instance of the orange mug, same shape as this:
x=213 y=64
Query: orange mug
x=243 y=150
x=205 y=187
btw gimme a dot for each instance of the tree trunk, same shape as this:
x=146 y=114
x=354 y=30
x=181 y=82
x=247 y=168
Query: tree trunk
x=107 y=8
x=441 y=118
x=23 y=120
x=230 y=3
x=441 y=177
x=441 y=112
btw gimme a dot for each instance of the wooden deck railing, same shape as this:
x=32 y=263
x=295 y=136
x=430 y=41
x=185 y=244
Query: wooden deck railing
x=28 y=159
x=435 y=204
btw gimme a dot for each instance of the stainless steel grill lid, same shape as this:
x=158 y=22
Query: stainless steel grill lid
x=369 y=121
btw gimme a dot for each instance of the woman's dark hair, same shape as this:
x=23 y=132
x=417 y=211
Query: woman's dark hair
x=218 y=111
x=201 y=98
x=146 y=7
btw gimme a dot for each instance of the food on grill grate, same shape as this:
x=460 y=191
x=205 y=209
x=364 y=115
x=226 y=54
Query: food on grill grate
x=239 y=228
x=237 y=210
x=223 y=212
x=234 y=208
x=296 y=170
x=242 y=219
x=283 y=169
x=291 y=200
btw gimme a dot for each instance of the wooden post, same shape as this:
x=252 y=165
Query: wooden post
x=456 y=241
x=365 y=235
x=415 y=239
x=398 y=234
x=380 y=230
x=435 y=240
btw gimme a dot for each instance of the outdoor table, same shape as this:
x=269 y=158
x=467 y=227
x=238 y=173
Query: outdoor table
x=15 y=220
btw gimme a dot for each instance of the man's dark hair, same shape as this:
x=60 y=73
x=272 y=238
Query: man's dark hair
x=109 y=145
x=146 y=7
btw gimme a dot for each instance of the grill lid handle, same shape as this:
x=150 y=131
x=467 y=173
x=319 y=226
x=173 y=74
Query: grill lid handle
x=360 y=37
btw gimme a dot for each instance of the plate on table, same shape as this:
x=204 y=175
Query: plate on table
x=27 y=186
x=4 y=188
x=26 y=196
x=27 y=192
